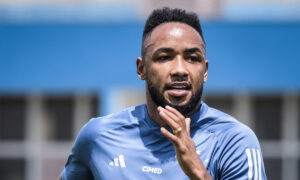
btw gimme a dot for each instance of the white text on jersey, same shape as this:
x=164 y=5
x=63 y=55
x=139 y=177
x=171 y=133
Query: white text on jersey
x=152 y=170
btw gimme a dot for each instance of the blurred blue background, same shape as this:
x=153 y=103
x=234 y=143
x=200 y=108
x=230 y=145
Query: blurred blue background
x=63 y=62
x=252 y=56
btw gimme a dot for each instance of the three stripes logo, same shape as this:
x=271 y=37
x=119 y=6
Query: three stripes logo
x=254 y=163
x=118 y=161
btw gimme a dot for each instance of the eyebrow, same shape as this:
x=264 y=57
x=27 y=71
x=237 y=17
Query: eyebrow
x=192 y=50
x=163 y=49
x=168 y=50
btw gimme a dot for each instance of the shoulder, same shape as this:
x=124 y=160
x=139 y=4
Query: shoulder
x=226 y=128
x=238 y=152
x=95 y=126
x=127 y=116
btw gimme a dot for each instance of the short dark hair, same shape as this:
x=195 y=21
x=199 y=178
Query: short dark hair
x=165 y=15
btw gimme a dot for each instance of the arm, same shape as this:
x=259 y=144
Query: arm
x=185 y=148
x=74 y=169
x=77 y=166
x=240 y=155
x=59 y=177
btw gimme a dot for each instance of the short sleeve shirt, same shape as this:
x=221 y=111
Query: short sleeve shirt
x=129 y=145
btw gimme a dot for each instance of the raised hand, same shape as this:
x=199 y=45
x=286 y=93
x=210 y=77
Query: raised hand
x=184 y=145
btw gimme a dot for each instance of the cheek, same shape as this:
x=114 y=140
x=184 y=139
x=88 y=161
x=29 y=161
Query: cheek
x=158 y=72
x=157 y=77
x=198 y=74
x=197 y=78
x=151 y=73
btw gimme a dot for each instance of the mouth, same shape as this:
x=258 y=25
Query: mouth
x=178 y=89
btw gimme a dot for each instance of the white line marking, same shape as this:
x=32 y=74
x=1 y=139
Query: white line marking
x=255 y=163
x=116 y=161
x=122 y=161
x=259 y=164
x=250 y=173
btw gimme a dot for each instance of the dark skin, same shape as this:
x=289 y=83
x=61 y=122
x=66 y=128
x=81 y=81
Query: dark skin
x=176 y=51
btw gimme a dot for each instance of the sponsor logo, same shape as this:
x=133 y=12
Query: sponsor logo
x=153 y=170
x=118 y=161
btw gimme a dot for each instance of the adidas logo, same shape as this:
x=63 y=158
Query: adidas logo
x=118 y=161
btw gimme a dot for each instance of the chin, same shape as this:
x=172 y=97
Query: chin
x=182 y=101
x=178 y=103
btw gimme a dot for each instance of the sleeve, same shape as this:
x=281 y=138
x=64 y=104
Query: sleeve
x=241 y=156
x=77 y=166
x=75 y=169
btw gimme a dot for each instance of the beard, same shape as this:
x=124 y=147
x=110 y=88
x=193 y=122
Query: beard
x=185 y=109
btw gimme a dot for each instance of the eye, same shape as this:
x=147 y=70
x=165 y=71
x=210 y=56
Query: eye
x=163 y=58
x=194 y=58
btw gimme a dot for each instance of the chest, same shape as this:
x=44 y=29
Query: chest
x=132 y=156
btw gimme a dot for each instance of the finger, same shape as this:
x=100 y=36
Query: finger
x=171 y=122
x=178 y=115
x=171 y=115
x=188 y=125
x=169 y=135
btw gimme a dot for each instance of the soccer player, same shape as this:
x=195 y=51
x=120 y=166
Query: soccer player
x=175 y=135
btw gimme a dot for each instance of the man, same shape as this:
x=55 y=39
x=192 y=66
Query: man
x=176 y=135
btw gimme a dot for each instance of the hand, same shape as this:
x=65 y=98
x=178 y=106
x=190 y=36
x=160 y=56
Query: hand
x=185 y=148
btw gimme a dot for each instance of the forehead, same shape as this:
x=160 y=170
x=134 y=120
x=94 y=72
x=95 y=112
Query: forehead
x=174 y=32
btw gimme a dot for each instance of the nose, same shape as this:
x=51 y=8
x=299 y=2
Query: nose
x=178 y=69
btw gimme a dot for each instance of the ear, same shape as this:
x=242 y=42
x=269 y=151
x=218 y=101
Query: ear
x=206 y=70
x=140 y=68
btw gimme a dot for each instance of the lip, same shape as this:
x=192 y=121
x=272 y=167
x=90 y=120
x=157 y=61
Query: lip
x=178 y=89
x=177 y=92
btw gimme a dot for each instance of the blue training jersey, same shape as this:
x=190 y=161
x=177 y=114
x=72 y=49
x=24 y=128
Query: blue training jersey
x=129 y=145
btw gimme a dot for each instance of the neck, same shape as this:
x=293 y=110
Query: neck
x=153 y=113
